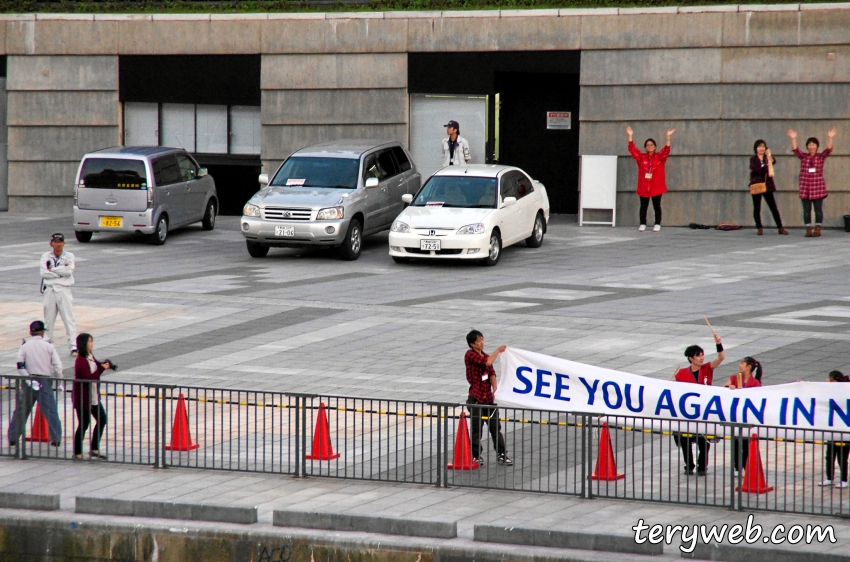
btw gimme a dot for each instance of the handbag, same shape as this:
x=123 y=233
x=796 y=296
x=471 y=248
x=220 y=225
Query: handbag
x=758 y=188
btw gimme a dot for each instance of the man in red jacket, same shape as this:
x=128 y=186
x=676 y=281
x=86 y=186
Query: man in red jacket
x=698 y=372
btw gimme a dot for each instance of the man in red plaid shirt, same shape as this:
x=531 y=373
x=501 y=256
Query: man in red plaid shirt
x=482 y=383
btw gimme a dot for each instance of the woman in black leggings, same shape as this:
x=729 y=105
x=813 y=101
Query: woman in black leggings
x=760 y=165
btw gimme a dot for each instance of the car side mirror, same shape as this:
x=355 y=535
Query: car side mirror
x=263 y=179
x=407 y=198
x=372 y=182
x=508 y=201
x=202 y=172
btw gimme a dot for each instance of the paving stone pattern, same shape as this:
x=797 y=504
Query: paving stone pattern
x=200 y=312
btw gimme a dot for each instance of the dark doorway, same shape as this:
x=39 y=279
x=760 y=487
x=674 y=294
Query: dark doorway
x=235 y=182
x=529 y=84
x=548 y=155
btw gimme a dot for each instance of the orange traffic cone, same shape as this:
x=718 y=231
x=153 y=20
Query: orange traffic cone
x=323 y=449
x=39 y=430
x=606 y=465
x=463 y=448
x=180 y=438
x=754 y=482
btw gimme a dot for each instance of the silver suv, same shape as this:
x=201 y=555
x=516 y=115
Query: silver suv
x=149 y=190
x=330 y=194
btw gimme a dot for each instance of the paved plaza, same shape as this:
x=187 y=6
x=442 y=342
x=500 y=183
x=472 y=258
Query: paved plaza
x=200 y=312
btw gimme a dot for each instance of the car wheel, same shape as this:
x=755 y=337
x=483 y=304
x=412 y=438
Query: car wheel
x=161 y=233
x=209 y=217
x=495 y=251
x=83 y=236
x=352 y=243
x=256 y=250
x=401 y=260
x=536 y=238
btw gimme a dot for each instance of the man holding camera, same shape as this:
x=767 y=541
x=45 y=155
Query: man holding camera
x=38 y=360
x=57 y=278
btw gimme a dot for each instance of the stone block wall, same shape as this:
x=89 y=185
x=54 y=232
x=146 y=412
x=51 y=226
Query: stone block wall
x=59 y=107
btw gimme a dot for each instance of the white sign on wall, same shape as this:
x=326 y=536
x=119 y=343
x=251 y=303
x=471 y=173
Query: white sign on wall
x=559 y=120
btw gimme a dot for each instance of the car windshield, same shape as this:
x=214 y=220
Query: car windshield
x=458 y=191
x=113 y=173
x=303 y=171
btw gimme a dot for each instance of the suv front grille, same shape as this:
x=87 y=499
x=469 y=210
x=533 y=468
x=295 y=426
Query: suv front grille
x=286 y=214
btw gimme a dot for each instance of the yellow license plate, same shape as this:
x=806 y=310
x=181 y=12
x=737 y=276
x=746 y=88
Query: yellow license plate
x=111 y=222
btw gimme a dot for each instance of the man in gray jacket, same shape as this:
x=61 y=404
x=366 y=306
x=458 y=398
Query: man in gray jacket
x=57 y=278
x=455 y=147
x=37 y=359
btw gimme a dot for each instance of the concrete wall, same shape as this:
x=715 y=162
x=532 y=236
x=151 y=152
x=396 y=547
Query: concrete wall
x=722 y=75
x=309 y=98
x=58 y=108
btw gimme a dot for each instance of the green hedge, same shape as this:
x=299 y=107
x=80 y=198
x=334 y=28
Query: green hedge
x=188 y=6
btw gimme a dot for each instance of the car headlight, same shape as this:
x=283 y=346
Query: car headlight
x=251 y=210
x=331 y=213
x=471 y=229
x=399 y=226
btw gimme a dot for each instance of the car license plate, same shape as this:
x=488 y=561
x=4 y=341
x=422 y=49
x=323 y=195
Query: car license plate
x=284 y=231
x=429 y=245
x=111 y=222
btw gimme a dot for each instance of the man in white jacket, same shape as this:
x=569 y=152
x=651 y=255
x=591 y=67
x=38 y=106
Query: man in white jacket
x=57 y=277
x=455 y=147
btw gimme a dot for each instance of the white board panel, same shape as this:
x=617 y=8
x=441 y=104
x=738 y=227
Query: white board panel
x=178 y=126
x=428 y=114
x=245 y=129
x=141 y=124
x=598 y=184
x=211 y=129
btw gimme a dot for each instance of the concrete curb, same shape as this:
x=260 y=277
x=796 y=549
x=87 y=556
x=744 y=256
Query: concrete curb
x=166 y=510
x=731 y=553
x=21 y=500
x=564 y=539
x=364 y=523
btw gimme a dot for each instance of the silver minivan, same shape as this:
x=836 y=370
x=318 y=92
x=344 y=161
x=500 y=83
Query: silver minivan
x=330 y=194
x=148 y=190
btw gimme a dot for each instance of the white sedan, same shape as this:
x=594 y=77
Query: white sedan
x=470 y=212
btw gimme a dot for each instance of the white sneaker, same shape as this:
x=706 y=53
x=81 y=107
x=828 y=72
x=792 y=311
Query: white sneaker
x=841 y=484
x=641 y=228
x=656 y=228
x=826 y=483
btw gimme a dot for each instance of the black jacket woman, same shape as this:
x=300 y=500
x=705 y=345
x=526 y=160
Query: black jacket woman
x=760 y=173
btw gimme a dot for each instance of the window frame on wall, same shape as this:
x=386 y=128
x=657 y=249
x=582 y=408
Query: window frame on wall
x=228 y=136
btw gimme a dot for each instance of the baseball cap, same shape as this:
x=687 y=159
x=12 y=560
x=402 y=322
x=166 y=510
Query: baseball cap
x=36 y=327
x=452 y=124
x=57 y=237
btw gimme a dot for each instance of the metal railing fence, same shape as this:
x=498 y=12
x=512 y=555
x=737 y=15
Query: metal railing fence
x=409 y=441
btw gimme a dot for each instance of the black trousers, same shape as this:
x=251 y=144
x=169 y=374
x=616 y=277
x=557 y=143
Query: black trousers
x=476 y=414
x=656 y=207
x=740 y=452
x=84 y=419
x=771 y=204
x=686 y=443
x=840 y=453
x=807 y=211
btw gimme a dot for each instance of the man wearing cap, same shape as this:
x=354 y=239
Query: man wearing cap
x=455 y=147
x=38 y=360
x=57 y=277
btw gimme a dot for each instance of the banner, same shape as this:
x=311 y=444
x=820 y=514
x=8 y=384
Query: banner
x=536 y=381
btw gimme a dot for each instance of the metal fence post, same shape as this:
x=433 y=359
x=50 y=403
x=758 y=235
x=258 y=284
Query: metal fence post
x=444 y=467
x=303 y=458
x=583 y=456
x=156 y=424
x=297 y=436
x=439 y=482
x=740 y=446
x=164 y=427
x=20 y=423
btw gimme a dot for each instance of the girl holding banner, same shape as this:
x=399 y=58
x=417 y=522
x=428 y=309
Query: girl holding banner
x=836 y=451
x=748 y=376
